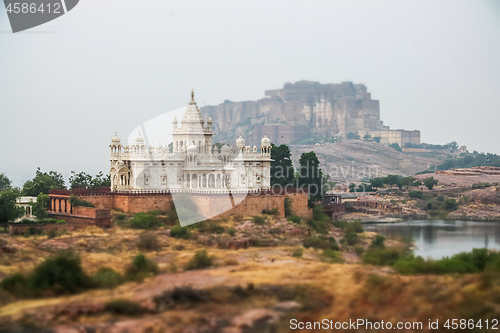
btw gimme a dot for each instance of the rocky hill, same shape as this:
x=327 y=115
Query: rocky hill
x=353 y=160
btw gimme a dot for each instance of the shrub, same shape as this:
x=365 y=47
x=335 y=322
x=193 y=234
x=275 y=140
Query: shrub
x=318 y=226
x=77 y=202
x=378 y=241
x=210 y=227
x=231 y=232
x=144 y=221
x=332 y=256
x=17 y=284
x=33 y=231
x=297 y=252
x=381 y=256
x=351 y=238
x=274 y=212
x=230 y=262
x=108 y=278
x=295 y=219
x=200 y=260
x=62 y=273
x=61 y=222
x=359 y=250
x=333 y=244
x=449 y=204
x=124 y=307
x=288 y=206
x=318 y=242
x=120 y=217
x=355 y=226
x=51 y=233
x=319 y=214
x=141 y=267
x=179 y=247
x=416 y=194
x=260 y=242
x=148 y=241
x=257 y=219
x=180 y=232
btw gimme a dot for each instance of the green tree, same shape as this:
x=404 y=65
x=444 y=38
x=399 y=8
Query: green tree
x=367 y=137
x=281 y=168
x=377 y=139
x=391 y=180
x=43 y=182
x=40 y=206
x=430 y=182
x=311 y=177
x=405 y=181
x=377 y=182
x=84 y=180
x=352 y=136
x=396 y=146
x=4 y=182
x=8 y=209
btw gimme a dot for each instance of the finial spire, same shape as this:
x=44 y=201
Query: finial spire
x=192 y=95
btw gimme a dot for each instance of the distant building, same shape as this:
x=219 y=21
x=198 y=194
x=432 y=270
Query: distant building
x=28 y=209
x=288 y=115
x=397 y=136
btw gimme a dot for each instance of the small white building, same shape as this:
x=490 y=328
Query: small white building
x=25 y=202
x=193 y=164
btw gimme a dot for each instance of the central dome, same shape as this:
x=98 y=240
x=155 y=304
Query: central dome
x=139 y=138
x=240 y=141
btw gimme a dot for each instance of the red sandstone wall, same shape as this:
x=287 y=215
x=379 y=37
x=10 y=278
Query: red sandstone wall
x=212 y=204
x=300 y=207
x=137 y=204
x=245 y=206
x=100 y=201
x=84 y=211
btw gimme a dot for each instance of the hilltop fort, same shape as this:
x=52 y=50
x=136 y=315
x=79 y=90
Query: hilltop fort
x=306 y=108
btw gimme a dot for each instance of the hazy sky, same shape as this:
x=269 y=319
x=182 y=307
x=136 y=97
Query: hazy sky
x=67 y=85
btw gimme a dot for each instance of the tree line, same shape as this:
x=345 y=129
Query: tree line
x=308 y=176
x=39 y=187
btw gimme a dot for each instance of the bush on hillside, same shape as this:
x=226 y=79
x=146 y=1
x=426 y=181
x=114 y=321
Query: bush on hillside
x=180 y=232
x=141 y=268
x=148 y=241
x=144 y=221
x=107 y=277
x=200 y=260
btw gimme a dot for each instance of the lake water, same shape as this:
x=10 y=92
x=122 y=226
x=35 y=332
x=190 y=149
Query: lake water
x=437 y=239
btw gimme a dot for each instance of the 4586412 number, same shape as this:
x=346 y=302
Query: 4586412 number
x=24 y=7
x=462 y=324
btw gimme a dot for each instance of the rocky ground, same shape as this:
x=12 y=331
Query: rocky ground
x=257 y=282
x=254 y=283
